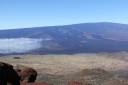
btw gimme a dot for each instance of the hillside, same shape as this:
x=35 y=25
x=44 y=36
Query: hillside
x=72 y=39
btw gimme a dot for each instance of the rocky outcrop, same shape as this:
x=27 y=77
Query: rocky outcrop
x=24 y=76
x=8 y=75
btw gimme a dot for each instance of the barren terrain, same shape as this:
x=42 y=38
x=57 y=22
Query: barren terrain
x=61 y=68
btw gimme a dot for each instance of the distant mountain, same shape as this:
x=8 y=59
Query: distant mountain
x=76 y=38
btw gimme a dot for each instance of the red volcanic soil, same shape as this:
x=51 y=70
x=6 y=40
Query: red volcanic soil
x=36 y=83
x=77 y=83
x=115 y=82
x=90 y=72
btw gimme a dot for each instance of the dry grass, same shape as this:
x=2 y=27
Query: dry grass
x=64 y=64
x=57 y=69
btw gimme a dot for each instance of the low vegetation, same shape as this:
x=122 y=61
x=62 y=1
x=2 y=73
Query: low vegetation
x=96 y=69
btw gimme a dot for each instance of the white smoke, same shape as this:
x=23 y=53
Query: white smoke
x=19 y=45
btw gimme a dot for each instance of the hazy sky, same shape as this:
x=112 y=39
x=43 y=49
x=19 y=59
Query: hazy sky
x=36 y=13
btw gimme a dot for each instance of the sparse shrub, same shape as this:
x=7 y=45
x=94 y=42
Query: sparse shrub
x=16 y=58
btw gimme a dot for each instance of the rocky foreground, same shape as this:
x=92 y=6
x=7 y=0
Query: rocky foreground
x=24 y=76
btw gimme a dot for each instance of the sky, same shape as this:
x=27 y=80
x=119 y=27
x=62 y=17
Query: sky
x=38 y=13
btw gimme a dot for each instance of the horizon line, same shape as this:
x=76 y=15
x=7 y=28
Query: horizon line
x=62 y=25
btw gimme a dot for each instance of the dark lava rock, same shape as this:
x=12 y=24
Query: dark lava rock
x=8 y=75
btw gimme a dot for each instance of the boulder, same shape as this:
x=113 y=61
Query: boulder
x=27 y=74
x=8 y=75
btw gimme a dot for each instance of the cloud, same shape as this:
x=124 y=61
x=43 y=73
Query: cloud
x=19 y=45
